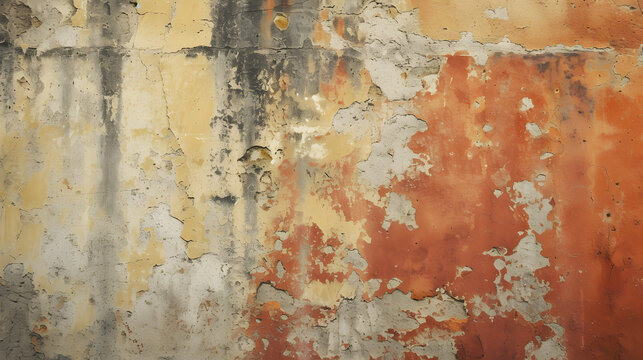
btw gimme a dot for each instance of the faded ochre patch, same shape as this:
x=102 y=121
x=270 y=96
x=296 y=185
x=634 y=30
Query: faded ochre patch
x=11 y=227
x=85 y=313
x=190 y=109
x=34 y=191
x=327 y=293
x=533 y=24
x=79 y=19
x=27 y=248
x=140 y=263
x=173 y=25
x=321 y=212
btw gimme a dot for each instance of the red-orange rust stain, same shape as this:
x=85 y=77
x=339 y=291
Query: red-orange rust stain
x=599 y=182
x=320 y=37
x=267 y=323
x=338 y=24
x=266 y=22
x=338 y=86
x=591 y=132
x=425 y=329
x=409 y=355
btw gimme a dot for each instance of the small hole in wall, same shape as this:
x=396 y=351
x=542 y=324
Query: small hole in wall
x=608 y=214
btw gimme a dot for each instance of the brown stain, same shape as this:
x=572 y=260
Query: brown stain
x=66 y=183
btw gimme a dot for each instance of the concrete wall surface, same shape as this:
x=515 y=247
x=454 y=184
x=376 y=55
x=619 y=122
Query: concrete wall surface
x=321 y=179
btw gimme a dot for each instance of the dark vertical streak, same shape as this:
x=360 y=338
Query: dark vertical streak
x=17 y=294
x=103 y=248
x=66 y=67
x=110 y=68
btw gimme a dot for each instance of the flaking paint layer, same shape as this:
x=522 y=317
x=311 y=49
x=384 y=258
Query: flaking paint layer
x=326 y=179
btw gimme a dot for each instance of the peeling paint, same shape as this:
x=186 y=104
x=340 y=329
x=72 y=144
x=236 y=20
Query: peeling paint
x=323 y=179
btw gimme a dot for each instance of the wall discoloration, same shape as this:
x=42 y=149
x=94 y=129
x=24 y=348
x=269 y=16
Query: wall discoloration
x=320 y=179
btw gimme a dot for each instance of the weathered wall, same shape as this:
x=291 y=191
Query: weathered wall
x=352 y=179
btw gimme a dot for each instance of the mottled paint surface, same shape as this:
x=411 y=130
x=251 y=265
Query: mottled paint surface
x=322 y=179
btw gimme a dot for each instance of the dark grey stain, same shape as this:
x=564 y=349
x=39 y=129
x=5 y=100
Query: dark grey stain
x=542 y=67
x=18 y=299
x=17 y=296
x=228 y=201
x=15 y=19
x=7 y=58
x=110 y=69
x=103 y=245
x=67 y=61
x=237 y=38
x=109 y=21
x=225 y=29
x=237 y=23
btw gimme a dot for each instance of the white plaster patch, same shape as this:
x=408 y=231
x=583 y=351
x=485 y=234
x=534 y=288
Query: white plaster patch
x=500 y=13
x=393 y=283
x=352 y=120
x=461 y=270
x=355 y=258
x=431 y=83
x=546 y=155
x=526 y=104
x=390 y=157
x=267 y=293
x=550 y=349
x=537 y=207
x=364 y=325
x=281 y=270
x=534 y=130
x=372 y=285
x=306 y=148
x=399 y=209
x=317 y=151
x=518 y=289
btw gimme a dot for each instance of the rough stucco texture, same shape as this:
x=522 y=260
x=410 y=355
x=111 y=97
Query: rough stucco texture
x=321 y=179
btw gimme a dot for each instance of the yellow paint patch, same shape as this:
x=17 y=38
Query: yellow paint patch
x=533 y=24
x=327 y=294
x=190 y=103
x=321 y=212
x=27 y=249
x=34 y=191
x=84 y=310
x=79 y=19
x=173 y=25
x=281 y=21
x=10 y=225
x=140 y=263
